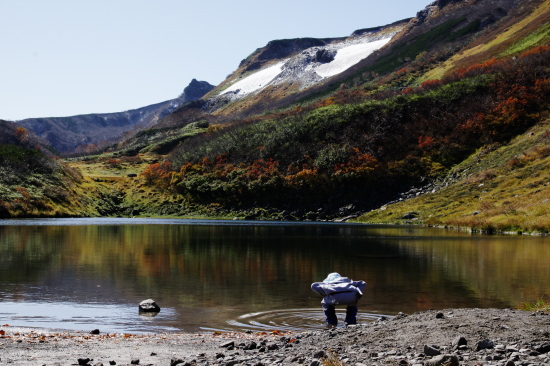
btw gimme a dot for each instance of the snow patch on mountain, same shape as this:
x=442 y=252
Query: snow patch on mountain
x=348 y=56
x=256 y=81
x=304 y=69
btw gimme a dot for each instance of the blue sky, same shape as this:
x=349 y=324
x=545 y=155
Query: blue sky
x=68 y=57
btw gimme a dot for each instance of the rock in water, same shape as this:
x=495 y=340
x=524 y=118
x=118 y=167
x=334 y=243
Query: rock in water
x=149 y=306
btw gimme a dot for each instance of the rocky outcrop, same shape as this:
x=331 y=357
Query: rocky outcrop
x=195 y=90
x=282 y=48
x=425 y=13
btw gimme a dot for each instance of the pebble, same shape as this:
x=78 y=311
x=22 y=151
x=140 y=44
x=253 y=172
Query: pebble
x=459 y=341
x=484 y=344
x=431 y=350
x=319 y=354
x=447 y=360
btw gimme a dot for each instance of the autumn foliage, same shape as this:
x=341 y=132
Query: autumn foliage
x=158 y=174
x=22 y=134
x=353 y=148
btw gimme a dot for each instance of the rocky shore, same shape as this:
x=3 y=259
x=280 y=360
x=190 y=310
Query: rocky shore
x=500 y=337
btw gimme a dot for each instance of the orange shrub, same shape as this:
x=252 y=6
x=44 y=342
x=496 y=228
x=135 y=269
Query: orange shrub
x=478 y=69
x=426 y=142
x=22 y=134
x=431 y=84
x=158 y=174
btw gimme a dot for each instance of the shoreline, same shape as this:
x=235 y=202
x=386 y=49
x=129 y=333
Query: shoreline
x=452 y=336
x=344 y=220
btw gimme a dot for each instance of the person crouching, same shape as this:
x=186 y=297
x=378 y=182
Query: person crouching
x=338 y=290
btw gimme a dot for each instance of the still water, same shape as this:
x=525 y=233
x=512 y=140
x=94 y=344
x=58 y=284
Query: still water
x=83 y=274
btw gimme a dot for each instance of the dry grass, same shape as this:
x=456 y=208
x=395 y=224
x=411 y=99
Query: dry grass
x=539 y=305
x=331 y=359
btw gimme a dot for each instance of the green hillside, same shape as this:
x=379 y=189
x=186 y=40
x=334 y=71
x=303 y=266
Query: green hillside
x=33 y=181
x=498 y=188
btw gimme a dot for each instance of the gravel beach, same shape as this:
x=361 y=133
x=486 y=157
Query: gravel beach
x=437 y=337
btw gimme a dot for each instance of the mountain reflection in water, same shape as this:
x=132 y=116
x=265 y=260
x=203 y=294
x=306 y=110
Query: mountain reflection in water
x=92 y=273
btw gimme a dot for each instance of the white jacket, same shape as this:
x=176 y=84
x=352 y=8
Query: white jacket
x=343 y=291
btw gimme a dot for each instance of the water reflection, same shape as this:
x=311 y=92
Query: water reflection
x=207 y=275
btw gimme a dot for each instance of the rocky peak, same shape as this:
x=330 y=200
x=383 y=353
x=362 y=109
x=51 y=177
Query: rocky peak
x=435 y=7
x=423 y=14
x=196 y=90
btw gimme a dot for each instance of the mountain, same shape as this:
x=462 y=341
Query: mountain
x=292 y=72
x=450 y=107
x=285 y=67
x=287 y=140
x=66 y=134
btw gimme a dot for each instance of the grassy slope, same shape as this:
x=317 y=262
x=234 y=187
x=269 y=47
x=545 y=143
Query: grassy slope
x=501 y=190
x=110 y=191
x=34 y=182
x=531 y=31
x=505 y=189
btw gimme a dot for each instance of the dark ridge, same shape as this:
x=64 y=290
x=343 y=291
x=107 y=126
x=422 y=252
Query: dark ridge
x=361 y=32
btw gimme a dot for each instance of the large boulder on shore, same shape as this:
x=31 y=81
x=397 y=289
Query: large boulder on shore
x=149 y=306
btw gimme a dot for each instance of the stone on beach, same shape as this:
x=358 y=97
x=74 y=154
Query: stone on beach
x=431 y=350
x=484 y=344
x=450 y=360
x=459 y=341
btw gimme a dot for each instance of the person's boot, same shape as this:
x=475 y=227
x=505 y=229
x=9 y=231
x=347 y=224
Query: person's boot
x=330 y=313
x=351 y=315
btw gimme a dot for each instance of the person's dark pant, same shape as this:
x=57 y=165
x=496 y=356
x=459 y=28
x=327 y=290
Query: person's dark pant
x=330 y=313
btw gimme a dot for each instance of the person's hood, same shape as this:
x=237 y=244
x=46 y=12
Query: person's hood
x=333 y=277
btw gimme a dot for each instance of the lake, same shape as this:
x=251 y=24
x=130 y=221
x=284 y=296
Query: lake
x=83 y=274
